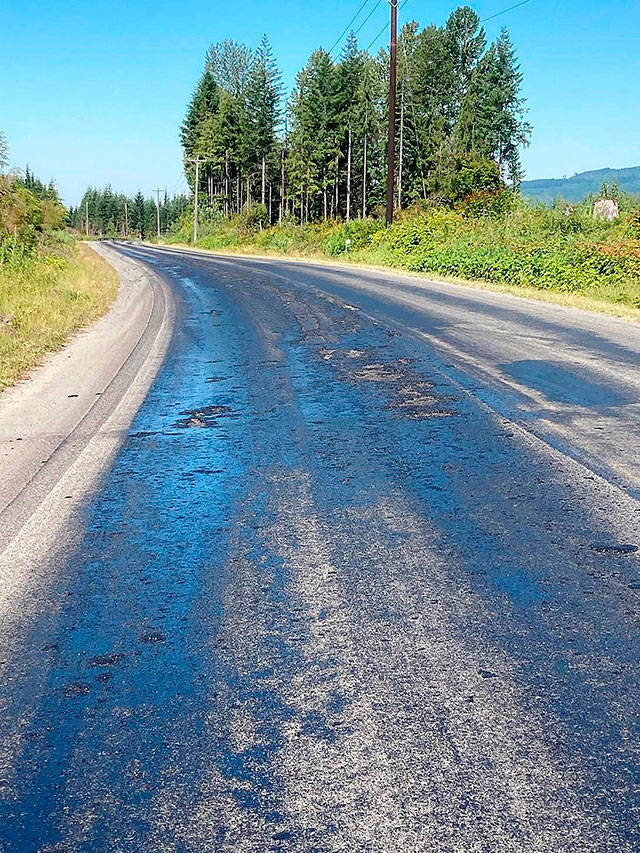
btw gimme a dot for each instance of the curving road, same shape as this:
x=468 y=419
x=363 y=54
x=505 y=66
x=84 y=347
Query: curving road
x=362 y=576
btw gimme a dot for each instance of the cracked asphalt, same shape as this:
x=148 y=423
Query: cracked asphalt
x=363 y=576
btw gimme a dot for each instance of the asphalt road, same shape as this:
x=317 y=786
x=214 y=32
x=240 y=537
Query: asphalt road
x=363 y=576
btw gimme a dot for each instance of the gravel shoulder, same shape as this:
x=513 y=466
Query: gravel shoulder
x=91 y=387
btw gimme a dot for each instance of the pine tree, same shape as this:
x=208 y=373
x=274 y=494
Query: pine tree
x=314 y=149
x=460 y=115
x=492 y=122
x=138 y=215
x=369 y=126
x=347 y=106
x=263 y=107
x=203 y=104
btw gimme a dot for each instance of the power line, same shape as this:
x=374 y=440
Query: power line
x=404 y=2
x=482 y=20
x=369 y=15
x=497 y=14
x=337 y=41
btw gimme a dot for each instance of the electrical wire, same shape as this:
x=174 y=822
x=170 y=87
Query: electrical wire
x=482 y=20
x=367 y=18
x=337 y=41
x=364 y=21
x=497 y=14
x=404 y=2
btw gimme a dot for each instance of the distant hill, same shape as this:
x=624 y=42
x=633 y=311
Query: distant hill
x=576 y=188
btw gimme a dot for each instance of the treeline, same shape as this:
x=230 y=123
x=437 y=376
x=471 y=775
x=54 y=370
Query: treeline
x=104 y=213
x=460 y=124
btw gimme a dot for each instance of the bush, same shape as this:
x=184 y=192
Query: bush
x=359 y=232
x=253 y=218
x=462 y=175
x=492 y=203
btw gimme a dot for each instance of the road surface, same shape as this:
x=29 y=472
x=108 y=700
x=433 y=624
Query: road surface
x=362 y=576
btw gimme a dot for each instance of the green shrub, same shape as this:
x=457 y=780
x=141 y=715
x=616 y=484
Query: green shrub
x=253 y=218
x=493 y=203
x=358 y=232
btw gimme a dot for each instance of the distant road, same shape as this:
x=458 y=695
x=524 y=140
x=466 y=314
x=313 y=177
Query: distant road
x=362 y=576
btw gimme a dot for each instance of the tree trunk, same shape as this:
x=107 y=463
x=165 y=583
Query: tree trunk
x=281 y=187
x=349 y=177
x=364 y=178
x=263 y=194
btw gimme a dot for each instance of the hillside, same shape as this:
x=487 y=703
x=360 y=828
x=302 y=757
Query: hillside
x=575 y=189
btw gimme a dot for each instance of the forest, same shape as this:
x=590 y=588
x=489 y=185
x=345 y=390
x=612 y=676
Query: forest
x=306 y=175
x=321 y=154
x=105 y=213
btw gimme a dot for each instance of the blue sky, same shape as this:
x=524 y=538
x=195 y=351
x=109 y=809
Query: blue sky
x=94 y=91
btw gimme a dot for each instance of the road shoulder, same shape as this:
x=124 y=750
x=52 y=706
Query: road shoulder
x=575 y=301
x=48 y=420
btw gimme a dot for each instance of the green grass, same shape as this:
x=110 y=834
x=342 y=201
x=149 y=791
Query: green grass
x=44 y=298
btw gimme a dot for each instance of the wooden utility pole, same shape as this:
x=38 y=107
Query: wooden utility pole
x=126 y=219
x=393 y=43
x=349 y=177
x=227 y=188
x=281 y=216
x=364 y=178
x=86 y=217
x=197 y=161
x=158 y=210
x=401 y=149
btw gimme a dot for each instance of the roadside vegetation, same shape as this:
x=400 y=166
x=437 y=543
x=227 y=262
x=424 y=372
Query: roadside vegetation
x=306 y=178
x=49 y=285
x=304 y=175
x=494 y=237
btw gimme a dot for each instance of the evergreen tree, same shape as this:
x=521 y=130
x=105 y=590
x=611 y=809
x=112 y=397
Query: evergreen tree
x=348 y=108
x=459 y=110
x=503 y=109
x=138 y=215
x=263 y=107
x=314 y=142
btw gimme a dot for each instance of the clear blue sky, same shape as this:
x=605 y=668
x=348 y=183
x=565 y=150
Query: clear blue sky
x=94 y=91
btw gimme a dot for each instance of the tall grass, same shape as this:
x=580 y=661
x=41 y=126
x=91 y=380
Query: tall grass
x=44 y=297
